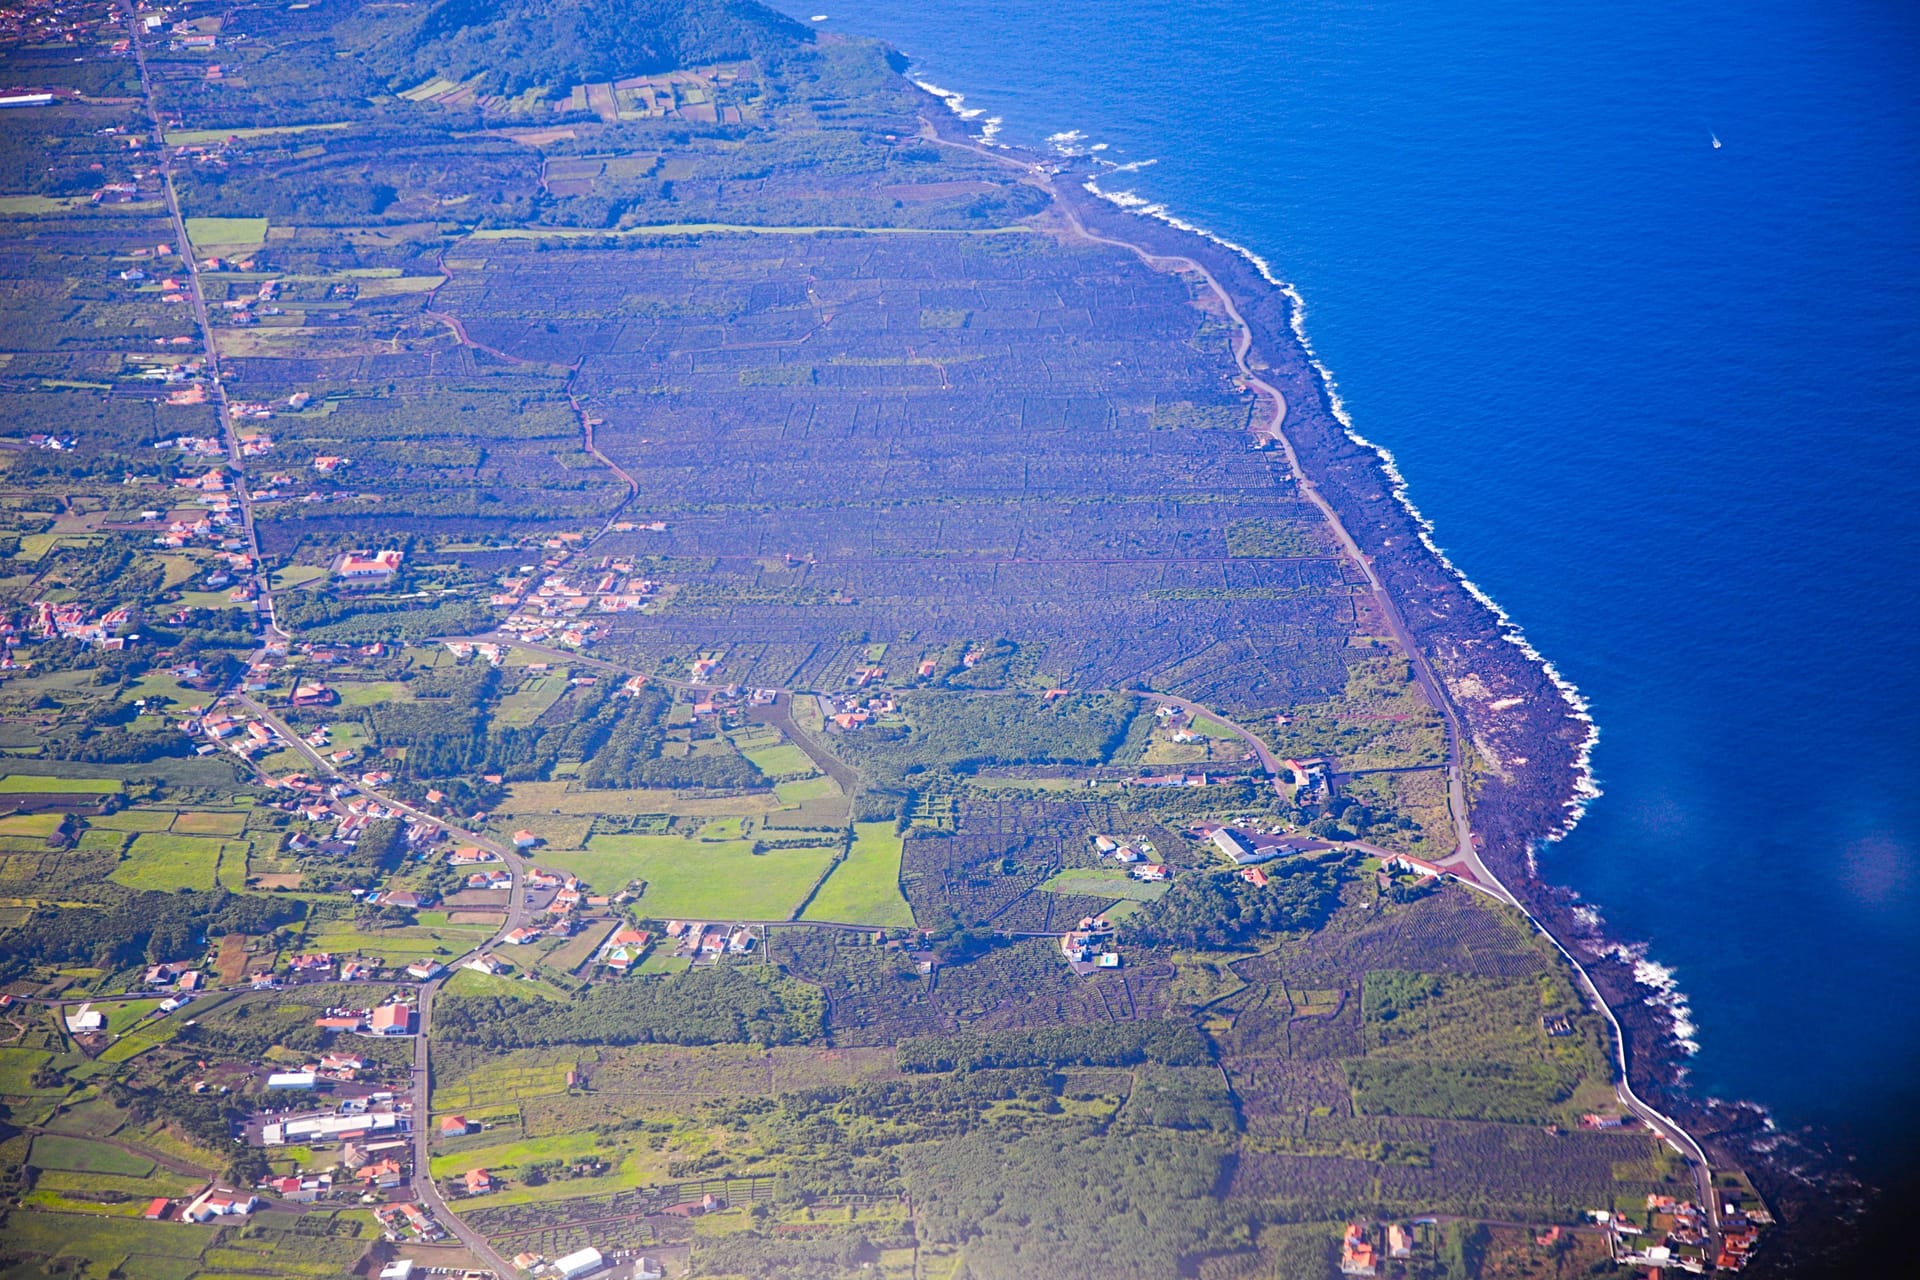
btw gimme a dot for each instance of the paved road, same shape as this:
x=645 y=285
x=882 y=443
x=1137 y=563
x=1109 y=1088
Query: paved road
x=1465 y=860
x=197 y=293
x=421 y=1085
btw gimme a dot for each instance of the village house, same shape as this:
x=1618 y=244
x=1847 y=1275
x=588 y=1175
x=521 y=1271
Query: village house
x=220 y=1202
x=312 y=695
x=1357 y=1255
x=383 y=1174
x=392 y=1020
x=368 y=567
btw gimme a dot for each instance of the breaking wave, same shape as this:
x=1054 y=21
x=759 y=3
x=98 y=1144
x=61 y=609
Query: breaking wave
x=956 y=102
x=1661 y=981
x=1586 y=788
x=1664 y=992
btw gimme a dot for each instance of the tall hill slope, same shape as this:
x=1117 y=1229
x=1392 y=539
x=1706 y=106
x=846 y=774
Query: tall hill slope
x=518 y=44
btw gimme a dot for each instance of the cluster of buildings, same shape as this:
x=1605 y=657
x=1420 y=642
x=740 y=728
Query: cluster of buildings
x=698 y=940
x=1178 y=724
x=51 y=443
x=624 y=949
x=850 y=711
x=1245 y=846
x=241 y=312
x=1678 y=1236
x=1312 y=779
x=194 y=446
x=1740 y=1227
x=79 y=622
x=1363 y=1246
x=246 y=738
x=495 y=654
x=1090 y=946
x=396 y=1017
x=1179 y=780
x=355 y=1120
x=611 y=586
x=408 y=1222
x=1136 y=854
x=583 y=1263
x=560 y=915
x=177 y=976
x=50 y=23
x=183 y=528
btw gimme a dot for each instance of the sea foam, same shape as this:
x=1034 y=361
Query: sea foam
x=1661 y=981
x=1586 y=788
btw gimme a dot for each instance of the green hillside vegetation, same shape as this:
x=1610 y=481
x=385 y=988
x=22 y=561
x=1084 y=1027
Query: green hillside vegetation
x=515 y=45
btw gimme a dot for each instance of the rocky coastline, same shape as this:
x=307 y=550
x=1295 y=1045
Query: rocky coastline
x=1527 y=726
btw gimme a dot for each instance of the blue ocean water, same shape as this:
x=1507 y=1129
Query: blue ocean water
x=1657 y=397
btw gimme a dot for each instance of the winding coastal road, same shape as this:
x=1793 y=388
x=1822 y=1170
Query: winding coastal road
x=1465 y=862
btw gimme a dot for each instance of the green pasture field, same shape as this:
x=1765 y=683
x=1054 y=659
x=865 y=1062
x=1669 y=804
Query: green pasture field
x=165 y=861
x=16 y=1072
x=123 y=1014
x=508 y=1155
x=367 y=693
x=1103 y=882
x=226 y=233
x=398 y=285
x=213 y=600
x=84 y=1155
x=158 y=684
x=233 y=865
x=39 y=204
x=37 y=784
x=80 y=1206
x=40 y=825
x=865 y=887
x=283 y=762
x=135 y=1043
x=526 y=704
x=501 y=1081
x=296 y=575
x=634 y=1165
x=403 y=945
x=134 y=820
x=546 y=798
x=200 y=137
x=783 y=761
x=699 y=879
x=107 y=1243
x=471 y=982
x=196 y=823
x=797 y=793
x=92 y=1117
x=1207 y=727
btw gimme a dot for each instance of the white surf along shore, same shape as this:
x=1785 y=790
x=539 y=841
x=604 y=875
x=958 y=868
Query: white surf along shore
x=1661 y=982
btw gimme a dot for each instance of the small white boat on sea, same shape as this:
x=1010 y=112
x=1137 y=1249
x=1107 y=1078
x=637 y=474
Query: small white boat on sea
x=1716 y=140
